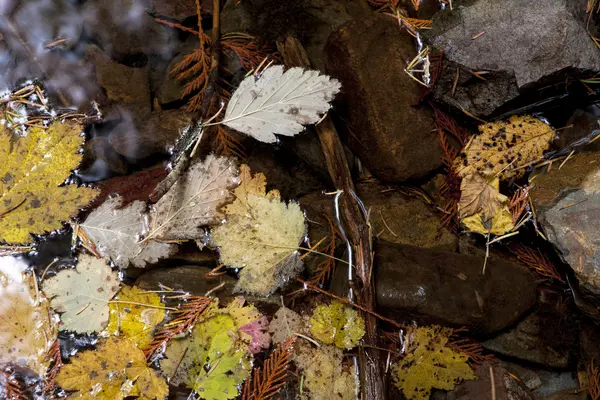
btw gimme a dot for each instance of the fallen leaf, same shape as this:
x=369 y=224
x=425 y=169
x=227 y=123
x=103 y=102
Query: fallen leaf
x=503 y=148
x=285 y=323
x=337 y=324
x=116 y=233
x=33 y=166
x=27 y=327
x=135 y=321
x=260 y=338
x=115 y=370
x=428 y=364
x=260 y=234
x=81 y=295
x=279 y=102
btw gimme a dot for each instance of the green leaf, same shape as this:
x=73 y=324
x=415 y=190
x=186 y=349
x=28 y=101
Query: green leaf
x=337 y=324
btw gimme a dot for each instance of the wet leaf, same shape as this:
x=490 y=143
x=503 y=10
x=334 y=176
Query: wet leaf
x=81 y=295
x=257 y=330
x=279 y=102
x=115 y=370
x=285 y=323
x=252 y=325
x=502 y=148
x=260 y=234
x=135 y=321
x=430 y=364
x=27 y=328
x=33 y=166
x=337 y=324
x=116 y=232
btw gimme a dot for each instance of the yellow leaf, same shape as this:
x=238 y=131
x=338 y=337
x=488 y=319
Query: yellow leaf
x=135 y=321
x=115 y=370
x=337 y=324
x=500 y=224
x=260 y=234
x=31 y=171
x=430 y=364
x=501 y=148
x=27 y=328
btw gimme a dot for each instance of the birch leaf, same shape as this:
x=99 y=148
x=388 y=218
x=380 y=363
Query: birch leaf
x=194 y=200
x=286 y=323
x=502 y=148
x=260 y=234
x=337 y=324
x=81 y=295
x=27 y=328
x=32 y=168
x=279 y=102
x=116 y=232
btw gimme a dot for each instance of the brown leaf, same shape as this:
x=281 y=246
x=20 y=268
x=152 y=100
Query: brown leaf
x=478 y=196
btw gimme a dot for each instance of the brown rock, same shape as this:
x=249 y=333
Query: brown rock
x=395 y=140
x=505 y=386
x=180 y=9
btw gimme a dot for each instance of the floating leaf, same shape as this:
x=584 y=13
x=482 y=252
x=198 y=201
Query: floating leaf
x=194 y=200
x=135 y=320
x=337 y=324
x=33 y=166
x=115 y=370
x=116 y=233
x=260 y=234
x=260 y=338
x=279 y=102
x=285 y=323
x=81 y=295
x=428 y=364
x=27 y=328
x=502 y=148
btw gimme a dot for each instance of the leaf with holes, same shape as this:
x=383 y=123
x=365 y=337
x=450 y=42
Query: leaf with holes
x=116 y=233
x=279 y=102
x=81 y=295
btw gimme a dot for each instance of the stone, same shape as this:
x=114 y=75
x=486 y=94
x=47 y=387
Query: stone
x=433 y=286
x=395 y=140
x=579 y=130
x=169 y=89
x=533 y=39
x=100 y=161
x=179 y=9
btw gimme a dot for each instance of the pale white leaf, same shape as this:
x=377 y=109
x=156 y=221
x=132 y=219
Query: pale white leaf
x=278 y=102
x=81 y=295
x=117 y=232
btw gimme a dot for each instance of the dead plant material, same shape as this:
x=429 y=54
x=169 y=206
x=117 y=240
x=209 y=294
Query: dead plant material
x=184 y=319
x=518 y=203
x=216 y=272
x=55 y=358
x=326 y=268
x=537 y=261
x=247 y=48
x=469 y=347
x=266 y=382
x=227 y=144
x=13 y=388
x=593 y=375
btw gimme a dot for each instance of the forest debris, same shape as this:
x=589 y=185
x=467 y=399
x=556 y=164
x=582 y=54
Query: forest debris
x=337 y=324
x=285 y=323
x=537 y=261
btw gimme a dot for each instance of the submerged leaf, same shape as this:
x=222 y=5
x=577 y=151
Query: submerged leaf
x=337 y=324
x=135 y=320
x=285 y=324
x=279 y=102
x=27 y=328
x=32 y=168
x=430 y=364
x=260 y=234
x=81 y=295
x=115 y=370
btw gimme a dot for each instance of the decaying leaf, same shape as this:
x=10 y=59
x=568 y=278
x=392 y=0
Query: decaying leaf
x=252 y=325
x=135 y=321
x=260 y=234
x=81 y=295
x=285 y=324
x=116 y=233
x=27 y=328
x=194 y=200
x=430 y=364
x=115 y=370
x=337 y=324
x=33 y=166
x=482 y=207
x=502 y=148
x=279 y=102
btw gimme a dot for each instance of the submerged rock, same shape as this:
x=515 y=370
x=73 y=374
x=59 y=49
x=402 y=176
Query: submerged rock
x=532 y=38
x=395 y=140
x=449 y=288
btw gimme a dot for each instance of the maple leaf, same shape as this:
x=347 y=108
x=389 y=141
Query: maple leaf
x=279 y=102
x=81 y=295
x=260 y=234
x=27 y=327
x=194 y=200
x=337 y=324
x=503 y=148
x=33 y=166
x=428 y=364
x=135 y=320
x=116 y=234
x=115 y=370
